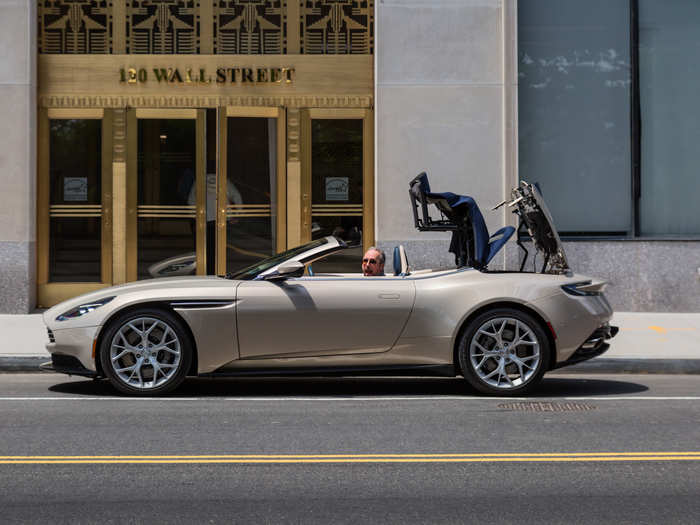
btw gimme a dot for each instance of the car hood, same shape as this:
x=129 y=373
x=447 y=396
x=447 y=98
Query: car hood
x=162 y=289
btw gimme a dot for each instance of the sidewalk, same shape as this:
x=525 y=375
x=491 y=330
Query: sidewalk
x=647 y=343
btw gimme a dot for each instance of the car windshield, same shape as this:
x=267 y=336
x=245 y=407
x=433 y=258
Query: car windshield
x=256 y=269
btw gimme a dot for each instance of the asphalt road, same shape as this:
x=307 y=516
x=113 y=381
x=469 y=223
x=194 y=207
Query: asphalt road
x=623 y=449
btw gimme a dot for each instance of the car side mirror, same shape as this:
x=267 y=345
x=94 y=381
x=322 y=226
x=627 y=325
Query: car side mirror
x=286 y=270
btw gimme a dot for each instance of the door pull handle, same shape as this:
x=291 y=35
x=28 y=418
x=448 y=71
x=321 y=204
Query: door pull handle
x=389 y=296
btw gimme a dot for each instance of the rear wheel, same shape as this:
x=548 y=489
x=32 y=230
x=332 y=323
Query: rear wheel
x=504 y=352
x=146 y=352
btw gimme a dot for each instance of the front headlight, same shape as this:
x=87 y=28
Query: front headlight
x=83 y=309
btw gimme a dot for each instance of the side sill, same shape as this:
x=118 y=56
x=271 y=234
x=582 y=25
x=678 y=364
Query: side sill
x=416 y=370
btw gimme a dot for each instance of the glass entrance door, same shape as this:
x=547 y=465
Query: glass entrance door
x=339 y=184
x=74 y=225
x=251 y=186
x=166 y=197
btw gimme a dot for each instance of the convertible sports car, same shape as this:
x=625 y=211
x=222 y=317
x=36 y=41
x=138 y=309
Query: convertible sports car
x=501 y=330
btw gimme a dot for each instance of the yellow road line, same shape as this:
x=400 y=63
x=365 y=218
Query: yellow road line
x=357 y=458
x=367 y=460
x=334 y=456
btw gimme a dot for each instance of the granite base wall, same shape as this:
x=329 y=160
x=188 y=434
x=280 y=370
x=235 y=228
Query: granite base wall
x=644 y=276
x=17 y=277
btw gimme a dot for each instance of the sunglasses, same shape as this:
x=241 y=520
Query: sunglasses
x=369 y=261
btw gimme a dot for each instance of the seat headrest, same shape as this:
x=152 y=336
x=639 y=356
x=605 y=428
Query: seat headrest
x=400 y=261
x=397 y=261
x=420 y=186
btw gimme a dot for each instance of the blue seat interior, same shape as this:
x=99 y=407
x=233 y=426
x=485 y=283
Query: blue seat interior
x=463 y=218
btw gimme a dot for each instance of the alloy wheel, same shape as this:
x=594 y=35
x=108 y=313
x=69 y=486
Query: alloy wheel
x=504 y=353
x=145 y=353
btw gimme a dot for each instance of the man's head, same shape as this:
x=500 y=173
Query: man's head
x=373 y=262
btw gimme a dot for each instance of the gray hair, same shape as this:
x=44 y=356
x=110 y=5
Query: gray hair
x=382 y=255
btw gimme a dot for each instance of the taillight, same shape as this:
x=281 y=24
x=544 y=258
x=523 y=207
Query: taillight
x=584 y=288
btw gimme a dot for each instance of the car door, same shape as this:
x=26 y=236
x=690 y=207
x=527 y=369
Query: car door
x=315 y=316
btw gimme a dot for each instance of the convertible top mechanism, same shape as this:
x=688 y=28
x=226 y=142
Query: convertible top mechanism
x=536 y=220
x=471 y=243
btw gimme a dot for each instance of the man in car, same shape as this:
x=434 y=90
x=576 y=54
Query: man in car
x=373 y=262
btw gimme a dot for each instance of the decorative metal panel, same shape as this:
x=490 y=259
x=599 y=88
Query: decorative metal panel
x=250 y=27
x=337 y=27
x=162 y=26
x=75 y=26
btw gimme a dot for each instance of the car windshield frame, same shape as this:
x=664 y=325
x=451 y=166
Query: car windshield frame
x=254 y=270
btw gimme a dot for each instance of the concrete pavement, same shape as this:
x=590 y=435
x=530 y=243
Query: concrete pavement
x=647 y=343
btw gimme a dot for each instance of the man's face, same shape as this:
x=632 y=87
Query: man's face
x=371 y=265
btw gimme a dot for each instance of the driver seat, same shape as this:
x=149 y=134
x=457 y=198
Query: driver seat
x=400 y=261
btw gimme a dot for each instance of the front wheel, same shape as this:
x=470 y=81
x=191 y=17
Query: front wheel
x=146 y=352
x=504 y=352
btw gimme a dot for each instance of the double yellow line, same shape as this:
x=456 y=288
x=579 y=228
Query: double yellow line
x=357 y=458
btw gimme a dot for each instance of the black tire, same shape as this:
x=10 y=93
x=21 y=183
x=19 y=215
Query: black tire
x=481 y=354
x=167 y=361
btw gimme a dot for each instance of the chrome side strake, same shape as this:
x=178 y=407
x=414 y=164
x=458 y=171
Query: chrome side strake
x=202 y=303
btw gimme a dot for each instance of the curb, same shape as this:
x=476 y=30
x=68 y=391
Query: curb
x=634 y=366
x=594 y=366
x=28 y=363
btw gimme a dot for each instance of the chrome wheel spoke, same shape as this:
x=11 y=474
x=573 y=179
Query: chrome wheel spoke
x=136 y=330
x=119 y=356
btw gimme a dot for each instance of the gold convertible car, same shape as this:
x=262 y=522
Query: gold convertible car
x=500 y=330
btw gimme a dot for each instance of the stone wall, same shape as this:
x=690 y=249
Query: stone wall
x=17 y=155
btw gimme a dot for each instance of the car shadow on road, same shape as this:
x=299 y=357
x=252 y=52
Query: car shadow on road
x=357 y=386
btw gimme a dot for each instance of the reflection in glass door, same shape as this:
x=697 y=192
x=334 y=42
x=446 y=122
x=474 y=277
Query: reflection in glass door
x=250 y=186
x=166 y=227
x=338 y=181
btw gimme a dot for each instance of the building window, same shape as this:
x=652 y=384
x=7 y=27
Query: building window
x=574 y=120
x=669 y=73
x=608 y=120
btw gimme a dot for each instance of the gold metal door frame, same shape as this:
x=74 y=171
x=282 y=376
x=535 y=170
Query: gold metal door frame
x=49 y=293
x=134 y=210
x=222 y=207
x=367 y=167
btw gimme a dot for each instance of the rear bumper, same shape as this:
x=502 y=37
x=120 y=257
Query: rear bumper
x=592 y=347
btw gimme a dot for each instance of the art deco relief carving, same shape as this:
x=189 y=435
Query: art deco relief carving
x=293 y=134
x=119 y=135
x=250 y=27
x=185 y=101
x=75 y=26
x=245 y=27
x=162 y=26
x=337 y=27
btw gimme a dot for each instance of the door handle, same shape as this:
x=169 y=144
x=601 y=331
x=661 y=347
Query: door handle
x=389 y=296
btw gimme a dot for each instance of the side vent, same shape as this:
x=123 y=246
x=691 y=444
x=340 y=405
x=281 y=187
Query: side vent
x=196 y=304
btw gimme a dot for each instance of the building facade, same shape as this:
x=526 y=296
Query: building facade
x=161 y=137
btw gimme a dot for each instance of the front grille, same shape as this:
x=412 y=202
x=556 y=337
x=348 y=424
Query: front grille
x=52 y=339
